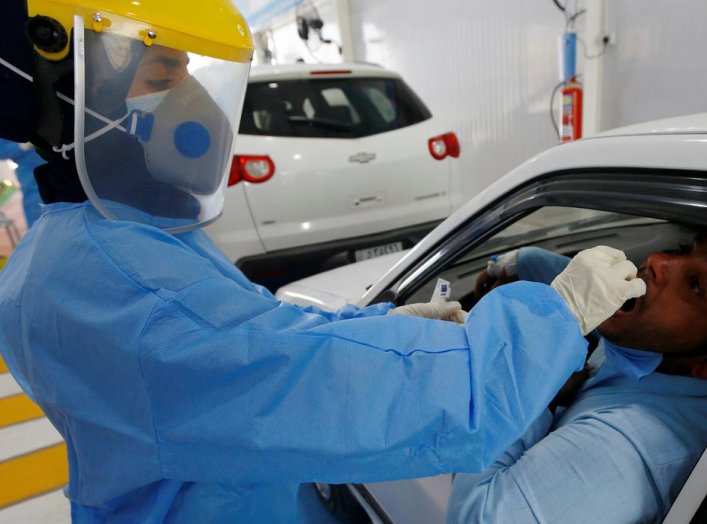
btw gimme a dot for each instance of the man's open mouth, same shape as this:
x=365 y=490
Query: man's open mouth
x=628 y=306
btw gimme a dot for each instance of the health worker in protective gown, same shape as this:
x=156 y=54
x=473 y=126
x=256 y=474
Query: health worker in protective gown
x=186 y=393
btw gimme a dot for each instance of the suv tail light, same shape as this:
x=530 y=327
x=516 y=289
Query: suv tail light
x=444 y=145
x=251 y=168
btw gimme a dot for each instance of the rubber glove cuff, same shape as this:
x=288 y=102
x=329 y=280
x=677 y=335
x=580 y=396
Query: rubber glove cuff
x=435 y=310
x=507 y=261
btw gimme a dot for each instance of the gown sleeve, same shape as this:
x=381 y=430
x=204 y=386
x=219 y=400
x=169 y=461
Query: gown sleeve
x=244 y=388
x=539 y=265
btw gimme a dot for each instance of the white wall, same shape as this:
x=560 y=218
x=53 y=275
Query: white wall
x=287 y=47
x=658 y=67
x=485 y=67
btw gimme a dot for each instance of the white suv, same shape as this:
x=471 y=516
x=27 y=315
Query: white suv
x=334 y=164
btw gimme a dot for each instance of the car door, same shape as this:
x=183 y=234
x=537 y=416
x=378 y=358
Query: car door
x=638 y=212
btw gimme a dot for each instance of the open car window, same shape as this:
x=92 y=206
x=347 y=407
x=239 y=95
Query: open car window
x=563 y=230
x=564 y=212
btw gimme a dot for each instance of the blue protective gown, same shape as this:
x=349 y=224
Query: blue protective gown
x=186 y=393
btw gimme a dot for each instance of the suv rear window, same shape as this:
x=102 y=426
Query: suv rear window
x=330 y=108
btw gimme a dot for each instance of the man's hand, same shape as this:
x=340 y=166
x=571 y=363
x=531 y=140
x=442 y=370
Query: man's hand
x=596 y=283
x=499 y=270
x=485 y=282
x=436 y=310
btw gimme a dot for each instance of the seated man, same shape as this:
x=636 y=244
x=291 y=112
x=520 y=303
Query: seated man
x=623 y=447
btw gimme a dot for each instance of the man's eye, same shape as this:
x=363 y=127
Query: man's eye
x=695 y=285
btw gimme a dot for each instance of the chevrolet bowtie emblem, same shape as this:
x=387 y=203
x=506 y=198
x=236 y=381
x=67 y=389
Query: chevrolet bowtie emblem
x=362 y=158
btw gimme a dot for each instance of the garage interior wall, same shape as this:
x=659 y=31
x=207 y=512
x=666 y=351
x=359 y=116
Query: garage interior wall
x=280 y=34
x=657 y=68
x=485 y=68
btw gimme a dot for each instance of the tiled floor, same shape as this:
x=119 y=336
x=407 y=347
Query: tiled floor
x=33 y=466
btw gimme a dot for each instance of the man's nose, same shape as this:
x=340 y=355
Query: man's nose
x=658 y=267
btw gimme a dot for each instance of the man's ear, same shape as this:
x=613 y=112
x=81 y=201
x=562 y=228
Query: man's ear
x=699 y=369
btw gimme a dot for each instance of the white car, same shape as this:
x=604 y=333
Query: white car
x=640 y=189
x=333 y=164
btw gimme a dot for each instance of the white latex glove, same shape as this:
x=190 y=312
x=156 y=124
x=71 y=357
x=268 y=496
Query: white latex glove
x=596 y=283
x=436 y=310
x=507 y=261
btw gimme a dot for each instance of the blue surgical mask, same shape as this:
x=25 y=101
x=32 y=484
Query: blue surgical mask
x=146 y=103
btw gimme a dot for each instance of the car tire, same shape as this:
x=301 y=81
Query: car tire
x=339 y=501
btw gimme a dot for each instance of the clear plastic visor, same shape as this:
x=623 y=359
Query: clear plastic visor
x=154 y=128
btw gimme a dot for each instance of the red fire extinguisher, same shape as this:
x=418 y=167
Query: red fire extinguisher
x=571 y=118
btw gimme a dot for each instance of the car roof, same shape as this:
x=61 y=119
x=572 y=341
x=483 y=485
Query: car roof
x=676 y=143
x=684 y=124
x=266 y=73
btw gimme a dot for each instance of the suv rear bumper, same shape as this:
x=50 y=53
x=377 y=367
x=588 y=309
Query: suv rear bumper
x=277 y=268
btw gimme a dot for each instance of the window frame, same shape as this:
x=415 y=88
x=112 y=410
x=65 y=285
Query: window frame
x=667 y=194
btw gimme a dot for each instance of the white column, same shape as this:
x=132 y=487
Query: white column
x=343 y=15
x=594 y=31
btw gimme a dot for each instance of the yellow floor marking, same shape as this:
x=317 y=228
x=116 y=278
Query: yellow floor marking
x=3 y=366
x=16 y=409
x=33 y=474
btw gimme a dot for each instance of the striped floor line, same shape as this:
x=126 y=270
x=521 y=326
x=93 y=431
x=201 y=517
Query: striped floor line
x=33 y=466
x=24 y=438
x=8 y=386
x=51 y=508
x=16 y=409
x=29 y=475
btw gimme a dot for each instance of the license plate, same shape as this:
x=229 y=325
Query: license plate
x=377 y=251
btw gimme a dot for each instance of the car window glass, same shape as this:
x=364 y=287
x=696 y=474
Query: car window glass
x=330 y=107
x=262 y=119
x=382 y=103
x=564 y=230
x=336 y=98
x=308 y=108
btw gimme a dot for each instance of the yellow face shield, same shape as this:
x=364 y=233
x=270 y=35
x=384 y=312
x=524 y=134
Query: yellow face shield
x=156 y=111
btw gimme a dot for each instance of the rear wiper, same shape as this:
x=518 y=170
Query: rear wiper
x=320 y=122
